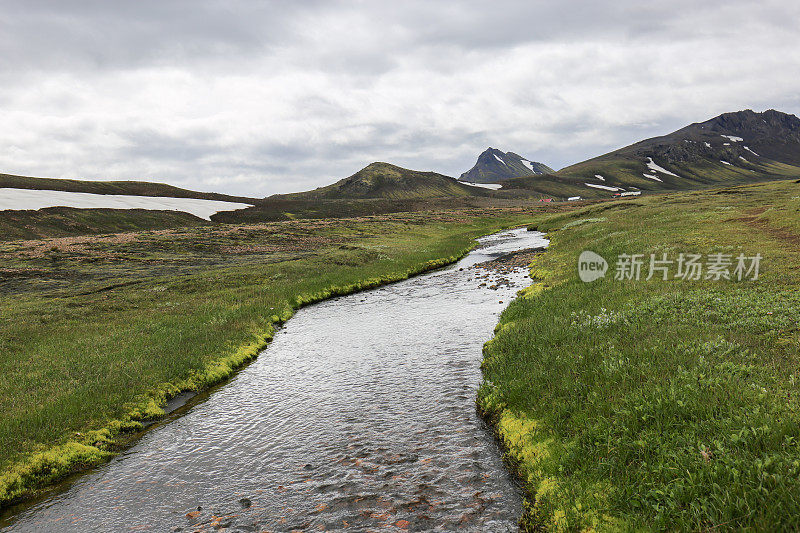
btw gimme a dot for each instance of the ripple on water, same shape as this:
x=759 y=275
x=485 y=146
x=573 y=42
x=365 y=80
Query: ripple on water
x=359 y=415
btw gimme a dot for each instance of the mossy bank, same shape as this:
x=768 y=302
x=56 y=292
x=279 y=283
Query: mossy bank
x=657 y=404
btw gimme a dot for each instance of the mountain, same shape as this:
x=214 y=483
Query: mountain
x=494 y=166
x=738 y=147
x=383 y=180
x=133 y=188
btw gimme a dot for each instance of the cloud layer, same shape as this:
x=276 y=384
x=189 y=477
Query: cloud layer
x=257 y=98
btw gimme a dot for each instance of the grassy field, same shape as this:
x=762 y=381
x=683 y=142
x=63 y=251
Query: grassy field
x=66 y=222
x=97 y=331
x=657 y=405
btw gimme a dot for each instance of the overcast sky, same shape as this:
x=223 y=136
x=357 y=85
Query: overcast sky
x=259 y=97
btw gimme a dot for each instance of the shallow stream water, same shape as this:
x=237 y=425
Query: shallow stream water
x=360 y=415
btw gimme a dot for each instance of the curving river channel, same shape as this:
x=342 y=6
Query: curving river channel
x=360 y=415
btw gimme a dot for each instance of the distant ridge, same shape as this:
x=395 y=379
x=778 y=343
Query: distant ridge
x=387 y=181
x=133 y=188
x=738 y=147
x=494 y=166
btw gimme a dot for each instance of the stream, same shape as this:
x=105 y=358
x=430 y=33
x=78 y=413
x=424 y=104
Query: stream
x=359 y=416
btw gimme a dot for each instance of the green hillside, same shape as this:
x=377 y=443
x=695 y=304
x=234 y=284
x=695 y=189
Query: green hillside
x=387 y=181
x=732 y=148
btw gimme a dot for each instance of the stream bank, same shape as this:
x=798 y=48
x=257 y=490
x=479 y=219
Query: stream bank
x=359 y=415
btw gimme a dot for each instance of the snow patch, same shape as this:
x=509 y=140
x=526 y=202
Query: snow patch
x=20 y=199
x=752 y=152
x=598 y=176
x=724 y=162
x=652 y=177
x=726 y=144
x=653 y=166
x=708 y=145
x=733 y=138
x=604 y=187
x=743 y=159
x=493 y=186
x=528 y=164
x=495 y=156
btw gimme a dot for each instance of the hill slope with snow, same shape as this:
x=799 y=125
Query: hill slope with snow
x=739 y=147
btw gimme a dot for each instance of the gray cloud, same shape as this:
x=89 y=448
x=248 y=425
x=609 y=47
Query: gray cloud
x=273 y=96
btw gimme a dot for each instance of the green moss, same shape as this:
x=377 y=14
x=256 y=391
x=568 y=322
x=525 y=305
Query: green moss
x=47 y=467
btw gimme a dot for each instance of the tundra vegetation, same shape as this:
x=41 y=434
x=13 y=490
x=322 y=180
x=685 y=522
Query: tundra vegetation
x=657 y=404
x=98 y=331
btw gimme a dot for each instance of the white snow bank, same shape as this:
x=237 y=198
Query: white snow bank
x=752 y=152
x=528 y=164
x=493 y=186
x=19 y=199
x=724 y=162
x=652 y=177
x=708 y=145
x=653 y=166
x=734 y=138
x=598 y=176
x=604 y=187
x=495 y=156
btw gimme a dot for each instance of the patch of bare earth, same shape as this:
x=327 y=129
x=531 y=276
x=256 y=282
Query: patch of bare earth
x=753 y=219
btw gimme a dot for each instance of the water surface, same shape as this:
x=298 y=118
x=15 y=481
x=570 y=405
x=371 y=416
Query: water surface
x=360 y=415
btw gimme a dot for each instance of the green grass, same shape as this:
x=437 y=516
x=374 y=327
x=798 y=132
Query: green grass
x=97 y=332
x=657 y=405
x=277 y=208
x=65 y=221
